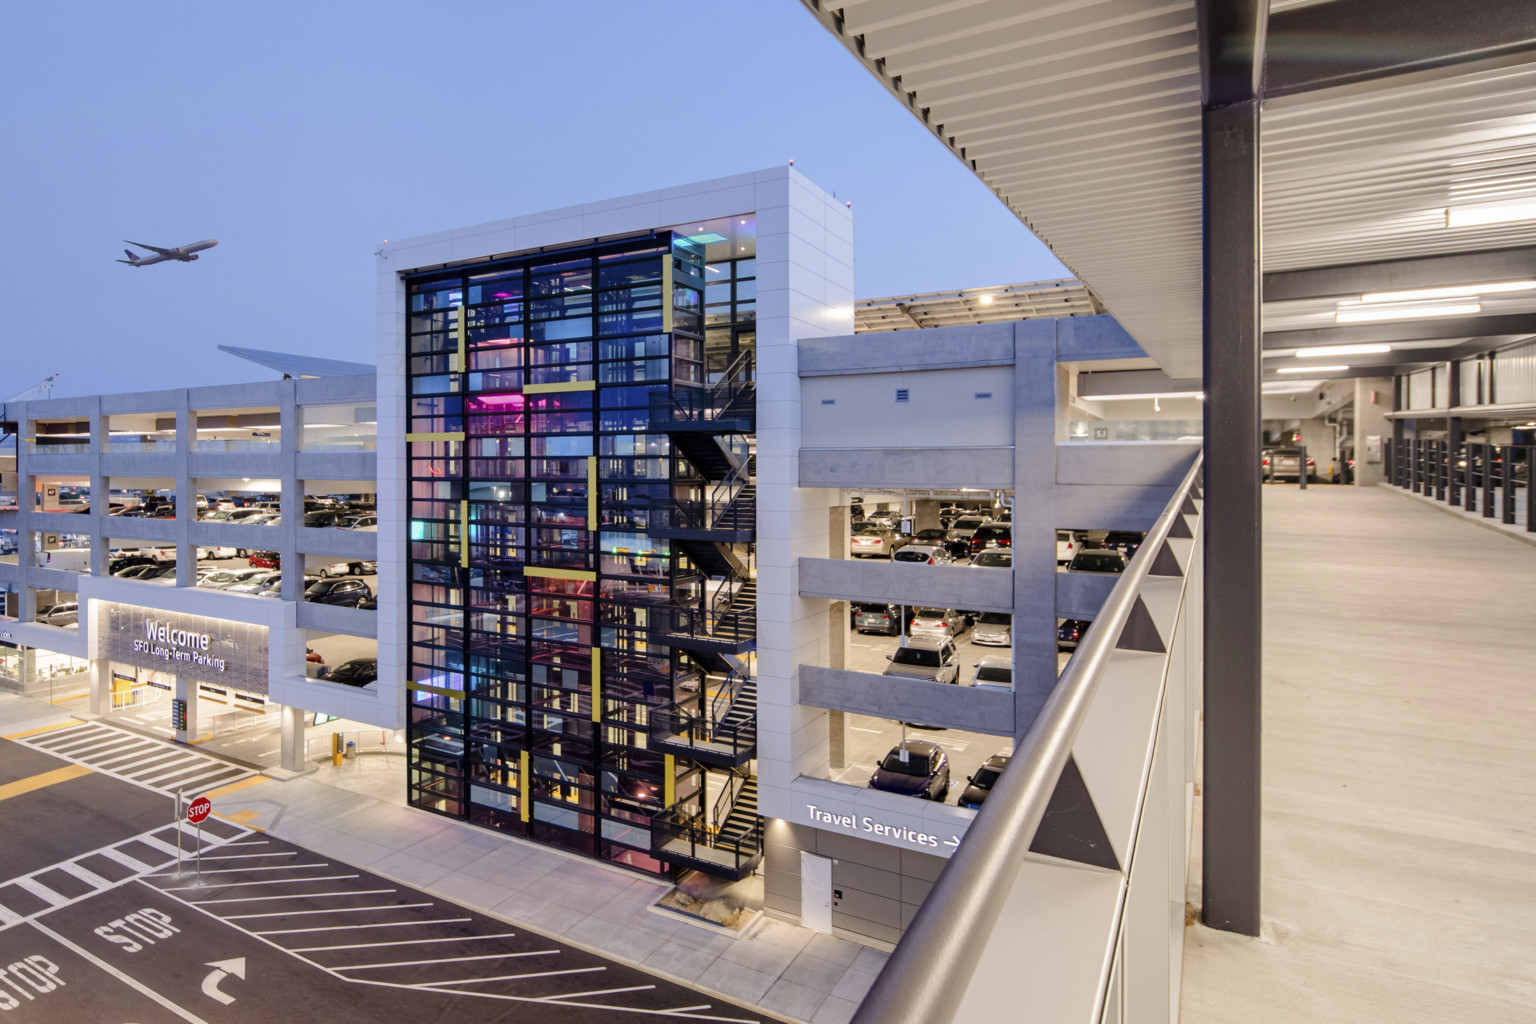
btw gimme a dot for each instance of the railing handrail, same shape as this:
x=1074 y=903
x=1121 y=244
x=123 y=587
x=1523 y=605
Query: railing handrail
x=926 y=977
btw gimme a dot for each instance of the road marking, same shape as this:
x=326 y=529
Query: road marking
x=132 y=863
x=85 y=875
x=42 y=892
x=138 y=751
x=270 y=881
x=349 y=927
x=248 y=856
x=221 y=970
x=399 y=942
x=235 y=787
x=335 y=910
x=72 y=723
x=265 y=867
x=446 y=960
x=158 y=844
x=509 y=977
x=241 y=817
x=42 y=780
x=295 y=896
x=600 y=992
x=8 y=916
x=148 y=766
x=184 y=1014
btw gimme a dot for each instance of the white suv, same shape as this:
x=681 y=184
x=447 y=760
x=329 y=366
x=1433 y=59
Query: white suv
x=935 y=660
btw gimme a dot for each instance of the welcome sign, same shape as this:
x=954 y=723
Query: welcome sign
x=208 y=650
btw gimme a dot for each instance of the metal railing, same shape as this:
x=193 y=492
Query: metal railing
x=927 y=978
x=683 y=831
x=701 y=718
x=727 y=397
x=1476 y=476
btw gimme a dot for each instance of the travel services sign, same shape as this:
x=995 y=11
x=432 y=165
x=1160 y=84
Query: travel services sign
x=208 y=650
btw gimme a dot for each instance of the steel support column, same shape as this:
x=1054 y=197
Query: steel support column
x=1233 y=434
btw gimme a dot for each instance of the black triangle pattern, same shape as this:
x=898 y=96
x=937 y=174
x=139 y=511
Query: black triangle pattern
x=1140 y=632
x=1071 y=828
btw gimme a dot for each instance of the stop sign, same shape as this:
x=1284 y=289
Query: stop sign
x=198 y=809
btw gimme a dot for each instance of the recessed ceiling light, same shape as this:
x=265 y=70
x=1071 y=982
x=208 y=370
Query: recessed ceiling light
x=1341 y=350
x=1360 y=315
x=1143 y=397
x=986 y=300
x=1489 y=213
x=1311 y=369
x=1454 y=292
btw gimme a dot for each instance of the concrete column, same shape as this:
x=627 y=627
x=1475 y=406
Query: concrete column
x=101 y=686
x=925 y=514
x=1035 y=519
x=1371 y=421
x=186 y=495
x=186 y=690
x=291 y=726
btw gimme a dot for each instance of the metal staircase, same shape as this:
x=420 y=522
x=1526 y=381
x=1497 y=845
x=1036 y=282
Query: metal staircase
x=716 y=727
x=727 y=845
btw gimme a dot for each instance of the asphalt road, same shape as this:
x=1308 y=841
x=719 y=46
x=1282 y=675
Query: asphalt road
x=98 y=926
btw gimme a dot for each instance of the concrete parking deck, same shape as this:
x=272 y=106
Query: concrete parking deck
x=1399 y=857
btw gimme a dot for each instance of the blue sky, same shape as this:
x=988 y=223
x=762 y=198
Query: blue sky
x=302 y=135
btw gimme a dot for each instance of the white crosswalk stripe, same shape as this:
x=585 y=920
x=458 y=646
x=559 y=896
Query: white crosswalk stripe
x=149 y=763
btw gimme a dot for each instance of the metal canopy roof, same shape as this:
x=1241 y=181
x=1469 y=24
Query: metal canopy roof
x=291 y=365
x=1084 y=116
x=974 y=306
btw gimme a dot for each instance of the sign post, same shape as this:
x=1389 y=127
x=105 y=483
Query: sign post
x=176 y=820
x=197 y=812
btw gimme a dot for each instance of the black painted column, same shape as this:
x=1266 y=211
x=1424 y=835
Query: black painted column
x=1233 y=630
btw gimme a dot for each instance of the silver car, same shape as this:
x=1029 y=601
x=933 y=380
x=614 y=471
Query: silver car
x=938 y=622
x=935 y=660
x=994 y=629
x=875 y=540
x=925 y=554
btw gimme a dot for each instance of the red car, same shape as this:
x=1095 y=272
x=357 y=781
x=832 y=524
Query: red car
x=265 y=560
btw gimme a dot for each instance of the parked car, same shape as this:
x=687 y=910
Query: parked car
x=368 y=523
x=164 y=575
x=917 y=768
x=933 y=659
x=925 y=554
x=993 y=670
x=339 y=592
x=1285 y=464
x=1066 y=546
x=975 y=794
x=265 y=560
x=117 y=564
x=993 y=558
x=357 y=672
x=342 y=569
x=1069 y=633
x=215 y=552
x=882 y=619
x=1127 y=542
x=133 y=572
x=255 y=583
x=991 y=535
x=875 y=540
x=994 y=629
x=931 y=536
x=1097 y=560
x=325 y=517
x=65 y=613
x=936 y=622
x=960 y=532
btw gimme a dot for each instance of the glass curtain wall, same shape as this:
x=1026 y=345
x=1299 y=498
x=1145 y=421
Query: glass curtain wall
x=532 y=480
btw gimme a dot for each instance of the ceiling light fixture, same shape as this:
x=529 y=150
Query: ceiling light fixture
x=1358 y=315
x=1311 y=369
x=1455 y=292
x=1489 y=213
x=1143 y=397
x=1323 y=351
x=985 y=300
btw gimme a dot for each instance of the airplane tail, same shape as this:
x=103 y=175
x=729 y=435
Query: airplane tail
x=131 y=260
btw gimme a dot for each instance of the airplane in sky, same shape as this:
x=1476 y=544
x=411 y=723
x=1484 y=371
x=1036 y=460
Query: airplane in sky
x=184 y=253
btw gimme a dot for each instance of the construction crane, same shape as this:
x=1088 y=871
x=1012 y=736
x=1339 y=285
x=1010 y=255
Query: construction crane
x=38 y=390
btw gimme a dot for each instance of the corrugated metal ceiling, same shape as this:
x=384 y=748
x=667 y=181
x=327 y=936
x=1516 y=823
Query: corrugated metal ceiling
x=974 y=306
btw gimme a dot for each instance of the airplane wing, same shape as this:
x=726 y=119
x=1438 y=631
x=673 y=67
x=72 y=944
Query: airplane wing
x=151 y=248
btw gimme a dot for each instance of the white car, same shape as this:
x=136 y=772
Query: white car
x=215 y=552
x=1066 y=546
x=64 y=614
x=924 y=554
x=935 y=660
x=934 y=623
x=253 y=584
x=240 y=576
x=367 y=523
x=993 y=670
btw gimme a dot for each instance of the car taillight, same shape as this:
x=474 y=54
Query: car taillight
x=1266 y=462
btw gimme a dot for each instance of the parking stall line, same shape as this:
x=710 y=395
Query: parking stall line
x=182 y=1012
x=85 y=875
x=270 y=881
x=404 y=942
x=453 y=960
x=9 y=917
x=513 y=977
x=245 y=856
x=599 y=992
x=349 y=927
x=329 y=910
x=158 y=844
x=263 y=867
x=294 y=896
x=684 y=1013
x=132 y=863
x=42 y=892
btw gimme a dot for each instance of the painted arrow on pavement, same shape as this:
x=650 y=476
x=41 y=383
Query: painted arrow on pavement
x=221 y=970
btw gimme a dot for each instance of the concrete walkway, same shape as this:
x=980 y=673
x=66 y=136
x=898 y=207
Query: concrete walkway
x=356 y=813
x=1399 y=845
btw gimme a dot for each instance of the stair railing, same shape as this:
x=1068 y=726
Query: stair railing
x=726 y=800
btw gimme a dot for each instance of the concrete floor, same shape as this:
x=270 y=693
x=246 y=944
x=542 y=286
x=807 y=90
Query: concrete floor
x=1399 y=857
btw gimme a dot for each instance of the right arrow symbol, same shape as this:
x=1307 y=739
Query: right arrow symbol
x=951 y=841
x=221 y=970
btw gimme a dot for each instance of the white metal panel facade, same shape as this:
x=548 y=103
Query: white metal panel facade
x=1514 y=374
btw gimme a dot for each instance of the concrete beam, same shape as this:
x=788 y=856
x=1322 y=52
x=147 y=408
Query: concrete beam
x=1357 y=279
x=983 y=709
x=923 y=586
x=902 y=468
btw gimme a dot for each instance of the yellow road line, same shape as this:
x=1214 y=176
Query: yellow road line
x=235 y=787
x=200 y=739
x=43 y=780
x=41 y=729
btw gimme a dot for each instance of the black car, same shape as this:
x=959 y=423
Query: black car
x=357 y=672
x=347 y=592
x=917 y=768
x=982 y=782
x=1127 y=542
x=326 y=517
x=1097 y=560
x=992 y=535
x=1069 y=633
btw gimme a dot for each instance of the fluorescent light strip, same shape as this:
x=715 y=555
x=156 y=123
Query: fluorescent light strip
x=1311 y=369
x=1325 y=351
x=1456 y=292
x=1489 y=213
x=1147 y=396
x=1359 y=315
